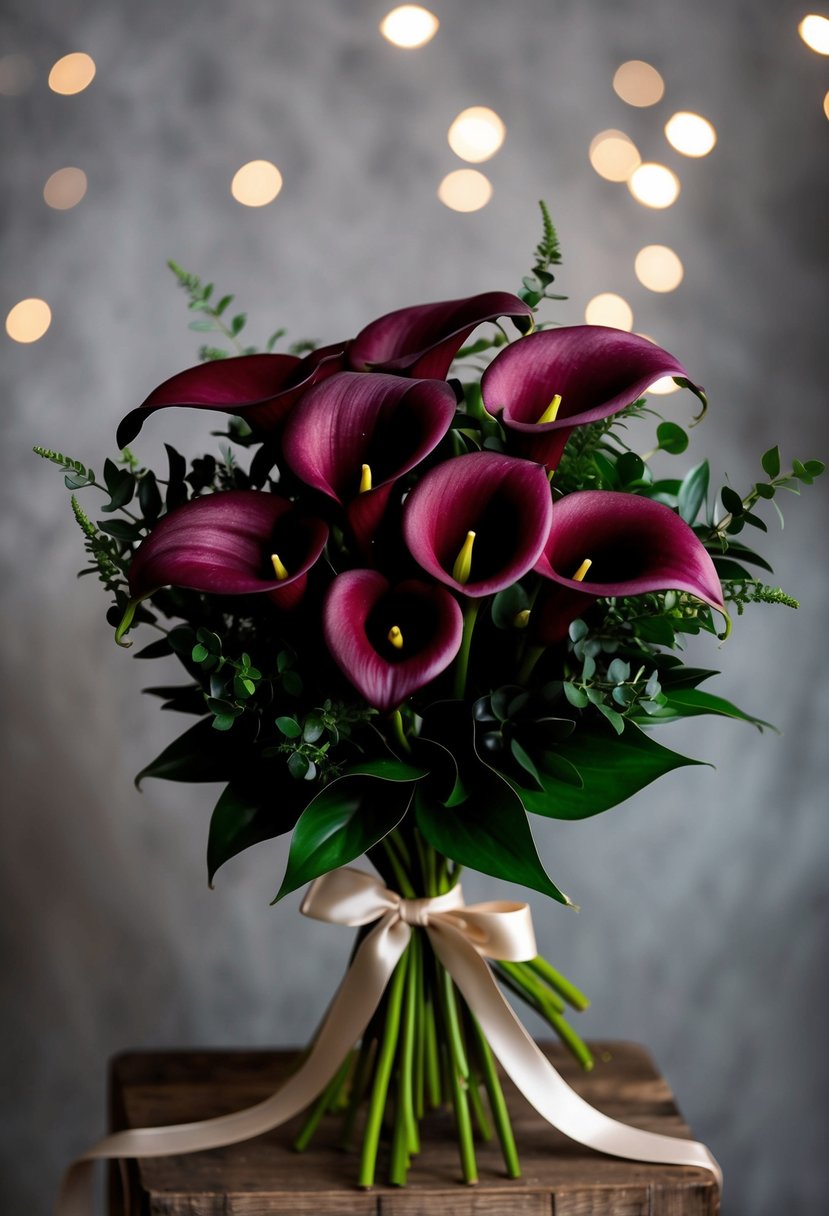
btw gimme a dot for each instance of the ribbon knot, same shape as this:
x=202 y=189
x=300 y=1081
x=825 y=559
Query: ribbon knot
x=415 y=911
x=463 y=937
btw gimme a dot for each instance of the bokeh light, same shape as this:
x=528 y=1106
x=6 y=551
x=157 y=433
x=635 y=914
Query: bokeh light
x=465 y=190
x=690 y=134
x=638 y=83
x=409 y=26
x=826 y=105
x=814 y=31
x=476 y=134
x=663 y=386
x=613 y=155
x=654 y=185
x=72 y=74
x=16 y=74
x=65 y=188
x=609 y=309
x=256 y=184
x=658 y=268
x=28 y=320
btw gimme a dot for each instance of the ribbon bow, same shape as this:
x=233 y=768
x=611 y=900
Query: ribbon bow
x=462 y=937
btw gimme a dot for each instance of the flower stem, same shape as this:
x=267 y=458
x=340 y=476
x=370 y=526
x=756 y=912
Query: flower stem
x=404 y=886
x=498 y=1106
x=533 y=654
x=458 y=1075
x=419 y=1065
x=431 y=1058
x=571 y=994
x=382 y=1075
x=462 y=662
x=406 y=1140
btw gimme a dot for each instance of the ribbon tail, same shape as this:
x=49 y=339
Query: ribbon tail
x=349 y=1013
x=533 y=1074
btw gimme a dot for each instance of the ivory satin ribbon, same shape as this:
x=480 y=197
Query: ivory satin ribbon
x=462 y=937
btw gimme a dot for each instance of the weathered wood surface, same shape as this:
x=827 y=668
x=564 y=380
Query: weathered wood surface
x=264 y=1177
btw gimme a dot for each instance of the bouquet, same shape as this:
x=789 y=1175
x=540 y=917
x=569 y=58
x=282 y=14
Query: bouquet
x=427 y=591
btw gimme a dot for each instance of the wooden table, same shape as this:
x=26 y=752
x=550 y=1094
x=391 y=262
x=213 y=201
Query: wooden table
x=264 y=1177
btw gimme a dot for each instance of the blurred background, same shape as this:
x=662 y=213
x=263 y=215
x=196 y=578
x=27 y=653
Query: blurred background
x=704 y=900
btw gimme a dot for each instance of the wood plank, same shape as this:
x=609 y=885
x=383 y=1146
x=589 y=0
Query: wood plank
x=264 y=1176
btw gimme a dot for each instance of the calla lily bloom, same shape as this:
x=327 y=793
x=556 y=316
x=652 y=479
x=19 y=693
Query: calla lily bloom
x=238 y=542
x=606 y=543
x=423 y=340
x=479 y=522
x=354 y=435
x=548 y=383
x=259 y=388
x=390 y=641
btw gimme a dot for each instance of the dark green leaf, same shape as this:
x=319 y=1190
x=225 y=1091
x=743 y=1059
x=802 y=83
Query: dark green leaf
x=814 y=467
x=149 y=497
x=630 y=467
x=613 y=768
x=690 y=702
x=184 y=698
x=386 y=768
x=526 y=762
x=238 y=323
x=298 y=766
x=347 y=818
x=489 y=832
x=507 y=604
x=313 y=728
x=195 y=756
x=577 y=698
x=771 y=461
x=671 y=438
x=607 y=471
x=763 y=490
x=249 y=812
x=155 y=650
x=289 y=727
x=731 y=501
x=692 y=492
x=120 y=529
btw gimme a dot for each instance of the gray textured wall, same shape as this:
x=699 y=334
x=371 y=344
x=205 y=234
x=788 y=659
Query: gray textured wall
x=704 y=900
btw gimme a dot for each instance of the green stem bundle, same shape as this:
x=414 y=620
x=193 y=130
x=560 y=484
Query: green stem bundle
x=424 y=1048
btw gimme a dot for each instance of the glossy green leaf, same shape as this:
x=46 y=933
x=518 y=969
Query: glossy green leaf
x=771 y=461
x=387 y=768
x=248 y=813
x=691 y=702
x=671 y=438
x=488 y=832
x=348 y=817
x=613 y=768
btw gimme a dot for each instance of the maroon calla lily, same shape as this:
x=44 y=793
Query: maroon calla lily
x=504 y=501
x=634 y=545
x=259 y=388
x=223 y=544
x=390 y=641
x=422 y=341
x=357 y=419
x=596 y=371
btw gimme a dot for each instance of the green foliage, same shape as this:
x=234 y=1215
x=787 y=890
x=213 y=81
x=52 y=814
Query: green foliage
x=347 y=818
x=535 y=286
x=76 y=474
